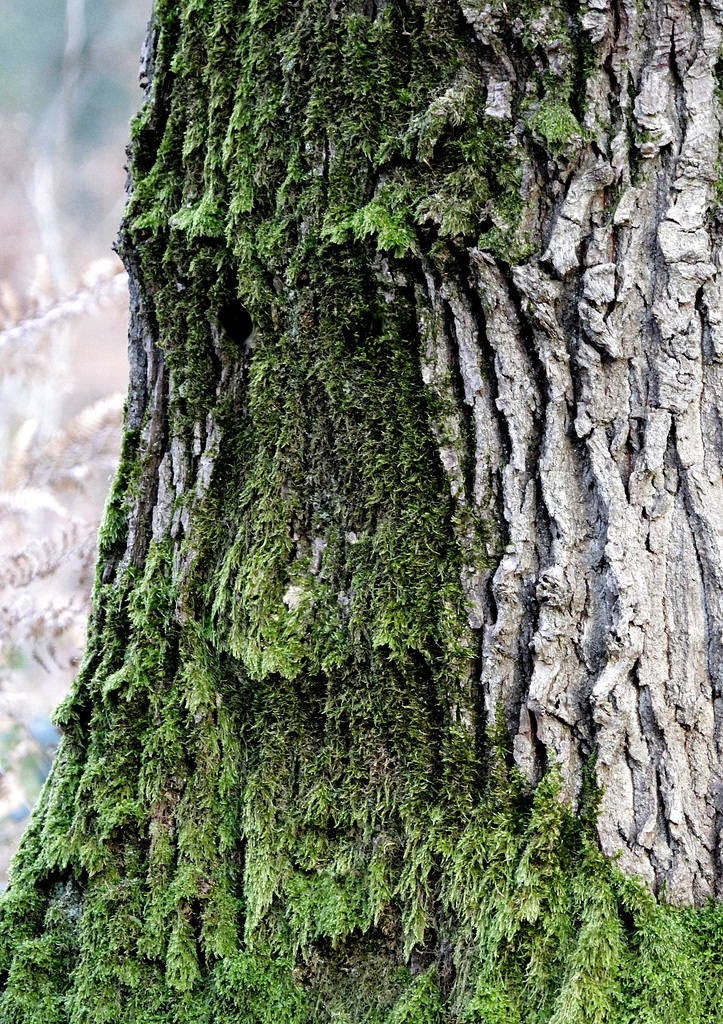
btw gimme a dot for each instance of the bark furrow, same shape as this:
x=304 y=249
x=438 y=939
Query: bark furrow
x=606 y=384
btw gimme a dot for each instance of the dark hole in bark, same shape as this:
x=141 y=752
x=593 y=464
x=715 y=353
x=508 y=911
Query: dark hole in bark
x=236 y=321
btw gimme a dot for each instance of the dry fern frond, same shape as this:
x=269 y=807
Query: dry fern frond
x=40 y=558
x=50 y=504
x=83 y=428
x=28 y=502
x=19 y=454
x=49 y=622
x=89 y=443
x=42 y=292
x=80 y=303
x=9 y=304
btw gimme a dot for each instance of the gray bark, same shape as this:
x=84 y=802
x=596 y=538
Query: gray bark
x=599 y=433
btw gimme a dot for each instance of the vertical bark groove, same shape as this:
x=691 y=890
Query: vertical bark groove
x=620 y=425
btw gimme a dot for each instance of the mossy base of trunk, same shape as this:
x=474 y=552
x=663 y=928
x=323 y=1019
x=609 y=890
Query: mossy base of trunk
x=531 y=924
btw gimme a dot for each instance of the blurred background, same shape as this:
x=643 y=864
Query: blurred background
x=68 y=87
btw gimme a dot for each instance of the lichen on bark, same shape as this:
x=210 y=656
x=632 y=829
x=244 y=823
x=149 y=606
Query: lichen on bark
x=369 y=660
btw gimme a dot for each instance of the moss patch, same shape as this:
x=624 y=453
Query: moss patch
x=270 y=802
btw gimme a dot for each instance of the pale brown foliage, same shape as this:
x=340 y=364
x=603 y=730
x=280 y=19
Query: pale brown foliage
x=53 y=473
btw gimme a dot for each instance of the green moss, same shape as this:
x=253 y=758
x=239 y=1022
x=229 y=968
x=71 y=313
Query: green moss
x=556 y=123
x=383 y=220
x=271 y=802
x=420 y=1004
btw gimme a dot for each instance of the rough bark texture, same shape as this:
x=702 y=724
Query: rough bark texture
x=407 y=635
x=606 y=630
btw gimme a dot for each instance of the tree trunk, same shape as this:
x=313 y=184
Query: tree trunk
x=402 y=694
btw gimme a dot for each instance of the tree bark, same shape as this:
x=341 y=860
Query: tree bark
x=606 y=351
x=407 y=629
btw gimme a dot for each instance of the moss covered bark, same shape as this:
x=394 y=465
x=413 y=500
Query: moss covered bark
x=278 y=797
